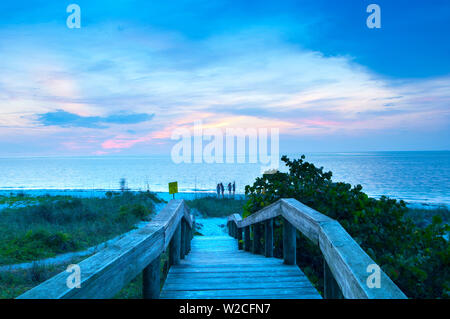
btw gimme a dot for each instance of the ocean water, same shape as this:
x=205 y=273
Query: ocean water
x=416 y=177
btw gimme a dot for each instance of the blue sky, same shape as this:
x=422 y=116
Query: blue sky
x=137 y=70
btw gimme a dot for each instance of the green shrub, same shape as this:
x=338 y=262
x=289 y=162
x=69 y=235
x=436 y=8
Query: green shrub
x=135 y=211
x=37 y=243
x=416 y=259
x=139 y=211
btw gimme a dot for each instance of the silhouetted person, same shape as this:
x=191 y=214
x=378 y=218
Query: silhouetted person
x=234 y=188
x=229 y=189
x=222 y=190
x=218 y=190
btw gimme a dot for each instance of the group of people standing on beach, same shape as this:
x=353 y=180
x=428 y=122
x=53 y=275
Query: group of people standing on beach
x=221 y=189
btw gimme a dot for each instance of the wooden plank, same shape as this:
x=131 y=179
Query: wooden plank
x=331 y=289
x=257 y=235
x=242 y=293
x=268 y=238
x=229 y=261
x=259 y=262
x=243 y=268
x=234 y=218
x=303 y=218
x=169 y=218
x=264 y=214
x=247 y=240
x=227 y=284
x=175 y=246
x=151 y=279
x=248 y=274
x=289 y=243
x=188 y=218
x=232 y=261
x=224 y=281
x=182 y=239
x=105 y=273
x=234 y=274
x=348 y=263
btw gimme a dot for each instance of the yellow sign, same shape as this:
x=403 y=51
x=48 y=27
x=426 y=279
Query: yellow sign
x=173 y=187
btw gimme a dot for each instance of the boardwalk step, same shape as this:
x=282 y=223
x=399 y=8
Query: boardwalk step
x=216 y=269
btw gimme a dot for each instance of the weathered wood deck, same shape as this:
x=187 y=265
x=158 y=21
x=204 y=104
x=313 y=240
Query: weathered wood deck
x=216 y=269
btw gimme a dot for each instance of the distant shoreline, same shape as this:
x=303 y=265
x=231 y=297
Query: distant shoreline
x=187 y=195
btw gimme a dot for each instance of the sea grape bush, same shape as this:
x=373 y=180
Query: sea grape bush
x=415 y=258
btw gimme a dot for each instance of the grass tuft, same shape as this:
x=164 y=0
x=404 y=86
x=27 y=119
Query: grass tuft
x=217 y=207
x=55 y=225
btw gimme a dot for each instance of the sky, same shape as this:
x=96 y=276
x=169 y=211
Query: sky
x=137 y=70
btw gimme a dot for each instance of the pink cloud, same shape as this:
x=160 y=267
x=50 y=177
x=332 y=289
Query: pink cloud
x=320 y=122
x=122 y=142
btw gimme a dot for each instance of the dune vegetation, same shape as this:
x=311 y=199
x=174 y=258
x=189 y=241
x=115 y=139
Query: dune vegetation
x=51 y=225
x=410 y=244
x=414 y=253
x=216 y=207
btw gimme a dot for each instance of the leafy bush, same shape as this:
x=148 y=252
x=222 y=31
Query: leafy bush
x=415 y=258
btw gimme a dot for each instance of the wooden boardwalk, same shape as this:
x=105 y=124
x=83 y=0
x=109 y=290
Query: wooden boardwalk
x=213 y=267
x=216 y=269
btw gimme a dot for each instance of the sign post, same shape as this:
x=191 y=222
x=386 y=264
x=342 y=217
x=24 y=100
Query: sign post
x=173 y=188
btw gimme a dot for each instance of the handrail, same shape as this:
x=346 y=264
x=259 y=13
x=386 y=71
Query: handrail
x=347 y=266
x=108 y=271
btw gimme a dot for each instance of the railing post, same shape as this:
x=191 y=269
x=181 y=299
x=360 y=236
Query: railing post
x=174 y=247
x=247 y=241
x=183 y=239
x=151 y=279
x=289 y=243
x=330 y=285
x=239 y=238
x=256 y=238
x=191 y=235
x=268 y=232
x=187 y=239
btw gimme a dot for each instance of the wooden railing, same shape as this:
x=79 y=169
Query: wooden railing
x=104 y=274
x=346 y=266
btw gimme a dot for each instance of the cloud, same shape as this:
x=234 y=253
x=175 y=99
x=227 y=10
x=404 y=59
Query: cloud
x=65 y=119
x=237 y=79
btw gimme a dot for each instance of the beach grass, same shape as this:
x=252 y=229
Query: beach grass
x=45 y=226
x=217 y=207
x=54 y=225
x=134 y=289
x=14 y=283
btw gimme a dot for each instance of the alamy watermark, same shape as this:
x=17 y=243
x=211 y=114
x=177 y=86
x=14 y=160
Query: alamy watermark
x=74 y=279
x=374 y=279
x=74 y=19
x=229 y=145
x=374 y=19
